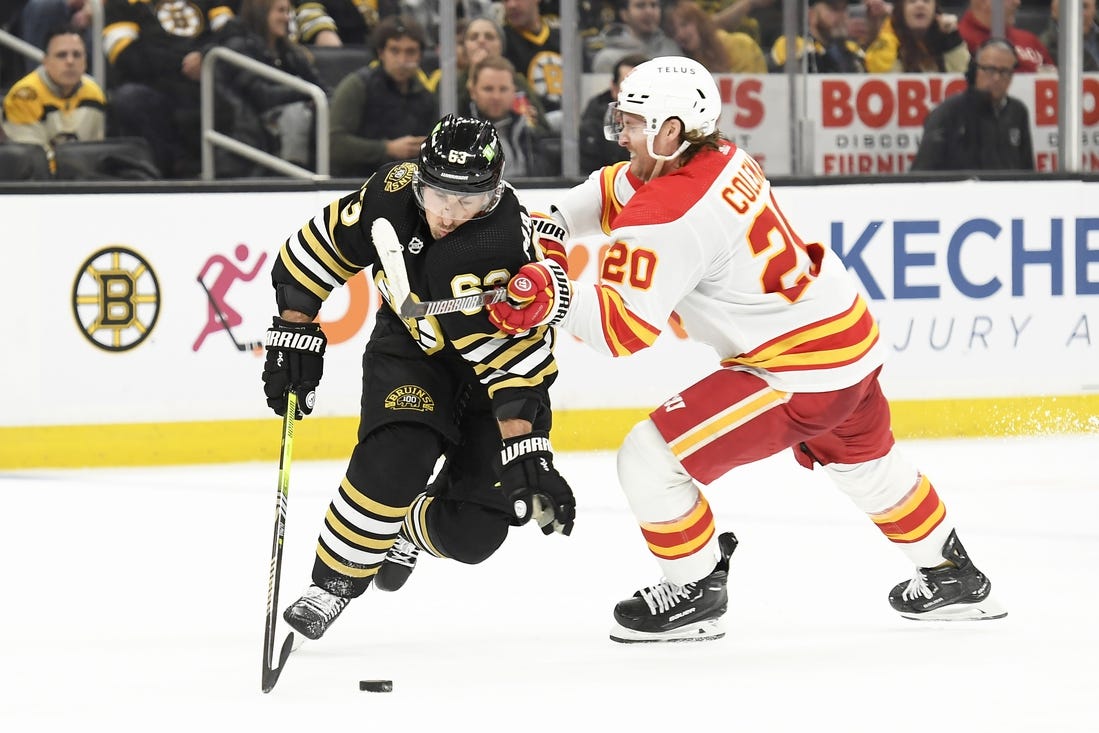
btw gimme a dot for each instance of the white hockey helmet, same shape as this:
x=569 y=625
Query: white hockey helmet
x=672 y=86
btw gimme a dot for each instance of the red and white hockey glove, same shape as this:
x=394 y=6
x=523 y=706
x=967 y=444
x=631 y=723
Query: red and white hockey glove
x=549 y=237
x=538 y=295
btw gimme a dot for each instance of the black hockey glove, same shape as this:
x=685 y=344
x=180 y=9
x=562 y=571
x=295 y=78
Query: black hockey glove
x=295 y=361
x=533 y=486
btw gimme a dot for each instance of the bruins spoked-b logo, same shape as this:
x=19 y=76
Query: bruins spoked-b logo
x=410 y=397
x=116 y=299
x=399 y=176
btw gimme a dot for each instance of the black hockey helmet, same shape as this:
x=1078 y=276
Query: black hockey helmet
x=461 y=157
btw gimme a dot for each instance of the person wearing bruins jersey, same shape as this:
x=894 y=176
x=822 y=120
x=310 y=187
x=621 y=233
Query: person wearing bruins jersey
x=154 y=61
x=534 y=47
x=448 y=385
x=57 y=102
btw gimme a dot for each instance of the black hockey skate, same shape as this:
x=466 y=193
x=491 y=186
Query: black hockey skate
x=955 y=592
x=399 y=563
x=670 y=612
x=314 y=612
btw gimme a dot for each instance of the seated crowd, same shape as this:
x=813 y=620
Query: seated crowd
x=377 y=63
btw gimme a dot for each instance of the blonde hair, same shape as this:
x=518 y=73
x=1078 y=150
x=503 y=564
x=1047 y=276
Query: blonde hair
x=711 y=53
x=699 y=142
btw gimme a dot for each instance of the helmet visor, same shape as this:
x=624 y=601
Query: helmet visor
x=455 y=205
x=618 y=122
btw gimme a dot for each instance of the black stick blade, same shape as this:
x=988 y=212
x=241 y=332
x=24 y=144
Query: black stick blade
x=271 y=675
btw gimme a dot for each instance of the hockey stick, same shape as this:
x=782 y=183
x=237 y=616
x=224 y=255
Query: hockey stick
x=410 y=309
x=271 y=673
x=389 y=252
x=224 y=324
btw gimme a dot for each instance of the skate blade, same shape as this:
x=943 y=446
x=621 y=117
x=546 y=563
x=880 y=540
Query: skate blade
x=704 y=631
x=987 y=610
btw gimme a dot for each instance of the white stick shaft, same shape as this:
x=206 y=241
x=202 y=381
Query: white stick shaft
x=390 y=252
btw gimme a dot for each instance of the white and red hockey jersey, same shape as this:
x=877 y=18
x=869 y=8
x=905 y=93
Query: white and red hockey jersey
x=710 y=243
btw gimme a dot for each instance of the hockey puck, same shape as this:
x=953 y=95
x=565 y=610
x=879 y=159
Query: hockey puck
x=376 y=685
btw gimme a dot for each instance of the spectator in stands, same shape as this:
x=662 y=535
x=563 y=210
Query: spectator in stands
x=477 y=38
x=734 y=16
x=981 y=128
x=483 y=37
x=874 y=14
x=594 y=16
x=721 y=52
x=918 y=37
x=534 y=49
x=831 y=51
x=767 y=14
x=1090 y=31
x=382 y=112
x=639 y=30
x=57 y=102
x=460 y=56
x=596 y=150
x=267 y=114
x=492 y=90
x=339 y=22
x=977 y=20
x=37 y=19
x=154 y=65
x=859 y=26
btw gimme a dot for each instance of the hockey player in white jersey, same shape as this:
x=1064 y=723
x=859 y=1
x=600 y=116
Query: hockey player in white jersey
x=695 y=230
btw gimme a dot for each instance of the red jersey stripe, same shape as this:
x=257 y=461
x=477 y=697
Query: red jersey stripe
x=624 y=331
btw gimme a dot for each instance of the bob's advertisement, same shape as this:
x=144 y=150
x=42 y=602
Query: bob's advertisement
x=870 y=124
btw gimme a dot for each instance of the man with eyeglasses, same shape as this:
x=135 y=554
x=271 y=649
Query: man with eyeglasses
x=57 y=102
x=449 y=385
x=983 y=128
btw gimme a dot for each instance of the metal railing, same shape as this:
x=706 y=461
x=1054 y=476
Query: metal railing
x=211 y=138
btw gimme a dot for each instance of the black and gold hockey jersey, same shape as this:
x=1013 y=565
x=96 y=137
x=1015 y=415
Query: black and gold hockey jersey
x=35 y=112
x=145 y=40
x=537 y=56
x=483 y=253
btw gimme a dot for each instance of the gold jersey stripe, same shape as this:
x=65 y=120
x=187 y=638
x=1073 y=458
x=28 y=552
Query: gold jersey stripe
x=832 y=326
x=344 y=568
x=840 y=322
x=908 y=502
x=611 y=205
x=686 y=548
x=625 y=332
x=823 y=357
x=923 y=529
x=683 y=523
x=421 y=522
x=728 y=420
x=347 y=533
x=323 y=254
x=368 y=505
x=302 y=278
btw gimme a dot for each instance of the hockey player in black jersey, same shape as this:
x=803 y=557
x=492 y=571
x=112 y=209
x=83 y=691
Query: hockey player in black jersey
x=448 y=385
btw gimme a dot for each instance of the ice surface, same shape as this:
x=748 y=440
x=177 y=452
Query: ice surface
x=134 y=600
